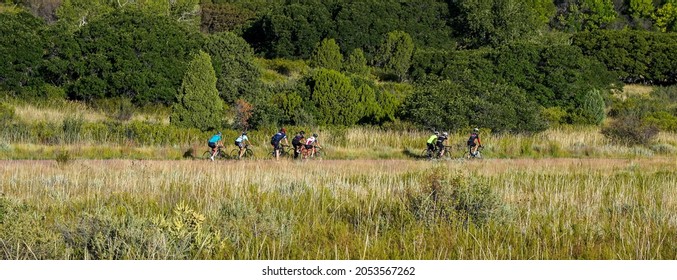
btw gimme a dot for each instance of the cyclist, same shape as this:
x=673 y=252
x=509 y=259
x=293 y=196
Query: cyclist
x=240 y=143
x=297 y=142
x=431 y=143
x=474 y=142
x=214 y=142
x=440 y=142
x=276 y=139
x=311 y=143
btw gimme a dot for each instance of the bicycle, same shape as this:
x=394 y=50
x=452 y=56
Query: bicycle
x=478 y=155
x=435 y=154
x=248 y=153
x=311 y=153
x=220 y=154
x=285 y=151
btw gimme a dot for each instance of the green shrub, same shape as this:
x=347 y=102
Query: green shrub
x=553 y=115
x=630 y=130
x=447 y=196
x=63 y=157
x=591 y=108
x=6 y=113
x=72 y=127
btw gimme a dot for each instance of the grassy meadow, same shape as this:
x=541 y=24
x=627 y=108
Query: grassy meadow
x=359 y=209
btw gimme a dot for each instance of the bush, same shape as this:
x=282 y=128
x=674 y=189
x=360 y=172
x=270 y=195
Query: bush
x=72 y=128
x=6 y=113
x=449 y=196
x=630 y=130
x=453 y=106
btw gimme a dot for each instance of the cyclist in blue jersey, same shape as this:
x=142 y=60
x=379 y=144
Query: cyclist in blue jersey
x=276 y=139
x=215 y=142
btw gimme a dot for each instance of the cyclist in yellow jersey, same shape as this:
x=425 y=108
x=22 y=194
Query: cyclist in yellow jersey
x=431 y=143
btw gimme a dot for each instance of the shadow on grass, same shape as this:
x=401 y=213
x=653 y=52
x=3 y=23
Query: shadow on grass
x=410 y=154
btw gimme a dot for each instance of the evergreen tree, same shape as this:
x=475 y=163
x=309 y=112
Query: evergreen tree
x=198 y=103
x=356 y=63
x=336 y=100
x=233 y=59
x=396 y=52
x=327 y=55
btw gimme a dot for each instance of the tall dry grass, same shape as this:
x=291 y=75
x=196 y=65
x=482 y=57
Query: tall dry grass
x=364 y=209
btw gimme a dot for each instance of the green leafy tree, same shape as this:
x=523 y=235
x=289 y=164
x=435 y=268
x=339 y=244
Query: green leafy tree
x=75 y=14
x=665 y=17
x=335 y=99
x=233 y=60
x=223 y=17
x=327 y=55
x=21 y=51
x=356 y=63
x=487 y=22
x=291 y=31
x=543 y=11
x=395 y=53
x=198 y=104
x=133 y=54
x=579 y=15
x=641 y=8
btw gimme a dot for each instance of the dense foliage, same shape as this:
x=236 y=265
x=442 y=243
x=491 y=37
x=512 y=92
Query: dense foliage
x=198 y=103
x=493 y=63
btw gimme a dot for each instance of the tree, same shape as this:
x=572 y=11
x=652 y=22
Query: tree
x=327 y=55
x=21 y=51
x=133 y=54
x=335 y=99
x=641 y=8
x=666 y=17
x=356 y=63
x=233 y=60
x=75 y=14
x=395 y=53
x=492 y=23
x=223 y=17
x=198 y=104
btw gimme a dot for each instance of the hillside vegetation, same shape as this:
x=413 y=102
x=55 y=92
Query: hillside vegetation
x=505 y=66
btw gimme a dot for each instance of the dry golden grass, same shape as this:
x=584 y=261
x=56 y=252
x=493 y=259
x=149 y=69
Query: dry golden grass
x=548 y=208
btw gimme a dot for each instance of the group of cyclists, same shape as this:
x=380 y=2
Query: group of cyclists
x=307 y=147
x=436 y=144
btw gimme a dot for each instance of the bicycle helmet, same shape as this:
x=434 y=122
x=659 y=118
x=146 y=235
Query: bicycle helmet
x=302 y=132
x=445 y=134
x=218 y=133
x=315 y=135
x=476 y=129
x=437 y=133
x=283 y=130
x=244 y=133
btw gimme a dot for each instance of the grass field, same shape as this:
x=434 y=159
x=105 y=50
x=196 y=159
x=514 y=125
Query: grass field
x=335 y=209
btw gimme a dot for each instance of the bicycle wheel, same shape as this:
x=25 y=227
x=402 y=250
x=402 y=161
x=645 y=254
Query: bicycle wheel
x=235 y=153
x=447 y=154
x=425 y=154
x=207 y=154
x=248 y=154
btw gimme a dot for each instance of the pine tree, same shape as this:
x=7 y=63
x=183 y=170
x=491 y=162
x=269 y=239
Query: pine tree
x=198 y=104
x=357 y=63
x=327 y=55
